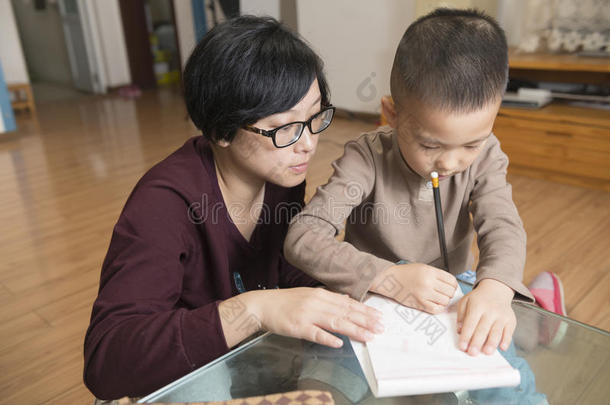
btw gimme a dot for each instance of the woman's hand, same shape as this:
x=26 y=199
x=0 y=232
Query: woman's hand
x=417 y=285
x=306 y=313
x=485 y=318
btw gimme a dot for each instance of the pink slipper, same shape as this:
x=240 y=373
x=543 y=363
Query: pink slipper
x=548 y=292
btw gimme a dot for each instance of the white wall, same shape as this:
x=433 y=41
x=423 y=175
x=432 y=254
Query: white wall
x=185 y=28
x=11 y=53
x=357 y=40
x=269 y=8
x=510 y=17
x=112 y=42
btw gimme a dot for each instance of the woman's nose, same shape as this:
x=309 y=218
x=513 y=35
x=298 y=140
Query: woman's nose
x=307 y=142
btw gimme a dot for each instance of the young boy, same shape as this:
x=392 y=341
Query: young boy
x=447 y=81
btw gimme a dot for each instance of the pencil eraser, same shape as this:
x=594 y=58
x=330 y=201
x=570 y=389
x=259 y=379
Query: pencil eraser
x=434 y=175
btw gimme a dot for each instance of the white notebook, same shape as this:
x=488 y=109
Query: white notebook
x=418 y=354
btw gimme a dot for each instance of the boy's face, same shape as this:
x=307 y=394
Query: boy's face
x=432 y=140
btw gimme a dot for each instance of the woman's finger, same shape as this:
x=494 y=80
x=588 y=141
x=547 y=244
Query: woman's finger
x=344 y=326
x=342 y=314
x=363 y=320
x=316 y=334
x=343 y=302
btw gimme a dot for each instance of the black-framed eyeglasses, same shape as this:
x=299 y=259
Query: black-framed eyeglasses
x=290 y=133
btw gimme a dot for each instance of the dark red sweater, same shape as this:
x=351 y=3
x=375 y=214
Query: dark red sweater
x=170 y=262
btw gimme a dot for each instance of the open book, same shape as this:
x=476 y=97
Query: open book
x=418 y=354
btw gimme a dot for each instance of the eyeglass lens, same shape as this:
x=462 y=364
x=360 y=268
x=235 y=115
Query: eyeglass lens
x=288 y=134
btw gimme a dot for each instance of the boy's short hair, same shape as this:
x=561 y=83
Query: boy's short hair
x=451 y=60
x=245 y=69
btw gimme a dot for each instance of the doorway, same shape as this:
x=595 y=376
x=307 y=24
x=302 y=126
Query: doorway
x=57 y=49
x=152 y=44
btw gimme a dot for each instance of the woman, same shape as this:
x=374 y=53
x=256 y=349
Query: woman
x=195 y=260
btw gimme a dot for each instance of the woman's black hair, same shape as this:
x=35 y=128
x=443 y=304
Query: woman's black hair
x=245 y=69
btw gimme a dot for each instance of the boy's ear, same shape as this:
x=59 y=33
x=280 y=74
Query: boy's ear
x=389 y=110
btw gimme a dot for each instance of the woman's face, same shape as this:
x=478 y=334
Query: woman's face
x=256 y=155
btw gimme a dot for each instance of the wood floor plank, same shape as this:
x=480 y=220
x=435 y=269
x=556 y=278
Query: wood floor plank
x=58 y=380
x=61 y=344
x=58 y=310
x=5 y=295
x=594 y=305
x=78 y=394
x=52 y=292
x=18 y=329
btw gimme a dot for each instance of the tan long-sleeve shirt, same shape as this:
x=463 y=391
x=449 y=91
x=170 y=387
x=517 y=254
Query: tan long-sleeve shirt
x=388 y=214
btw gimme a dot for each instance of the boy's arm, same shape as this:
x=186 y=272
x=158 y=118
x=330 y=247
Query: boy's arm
x=310 y=243
x=500 y=234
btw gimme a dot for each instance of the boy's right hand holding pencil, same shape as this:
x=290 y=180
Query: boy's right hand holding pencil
x=417 y=285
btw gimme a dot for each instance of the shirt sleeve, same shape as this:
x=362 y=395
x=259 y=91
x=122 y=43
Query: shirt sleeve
x=500 y=234
x=139 y=338
x=311 y=243
x=291 y=277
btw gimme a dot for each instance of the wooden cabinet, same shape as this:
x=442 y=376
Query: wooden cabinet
x=558 y=142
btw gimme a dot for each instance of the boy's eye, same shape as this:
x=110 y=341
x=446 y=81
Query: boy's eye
x=428 y=146
x=473 y=146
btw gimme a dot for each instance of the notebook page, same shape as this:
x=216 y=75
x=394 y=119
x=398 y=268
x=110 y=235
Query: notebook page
x=418 y=354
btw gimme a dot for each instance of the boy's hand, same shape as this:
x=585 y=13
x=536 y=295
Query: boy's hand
x=485 y=318
x=417 y=285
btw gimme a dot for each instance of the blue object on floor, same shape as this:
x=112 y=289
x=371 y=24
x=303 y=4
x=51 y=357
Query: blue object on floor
x=7 y=118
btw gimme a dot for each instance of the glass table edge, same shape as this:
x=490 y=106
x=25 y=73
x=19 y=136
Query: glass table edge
x=562 y=317
x=194 y=373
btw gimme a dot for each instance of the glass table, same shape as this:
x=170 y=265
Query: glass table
x=562 y=361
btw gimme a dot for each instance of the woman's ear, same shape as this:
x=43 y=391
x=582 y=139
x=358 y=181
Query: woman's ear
x=388 y=110
x=223 y=143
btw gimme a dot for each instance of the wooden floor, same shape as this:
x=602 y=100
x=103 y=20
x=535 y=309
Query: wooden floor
x=65 y=177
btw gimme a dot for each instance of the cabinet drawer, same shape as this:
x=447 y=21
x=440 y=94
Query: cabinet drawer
x=564 y=148
x=577 y=136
